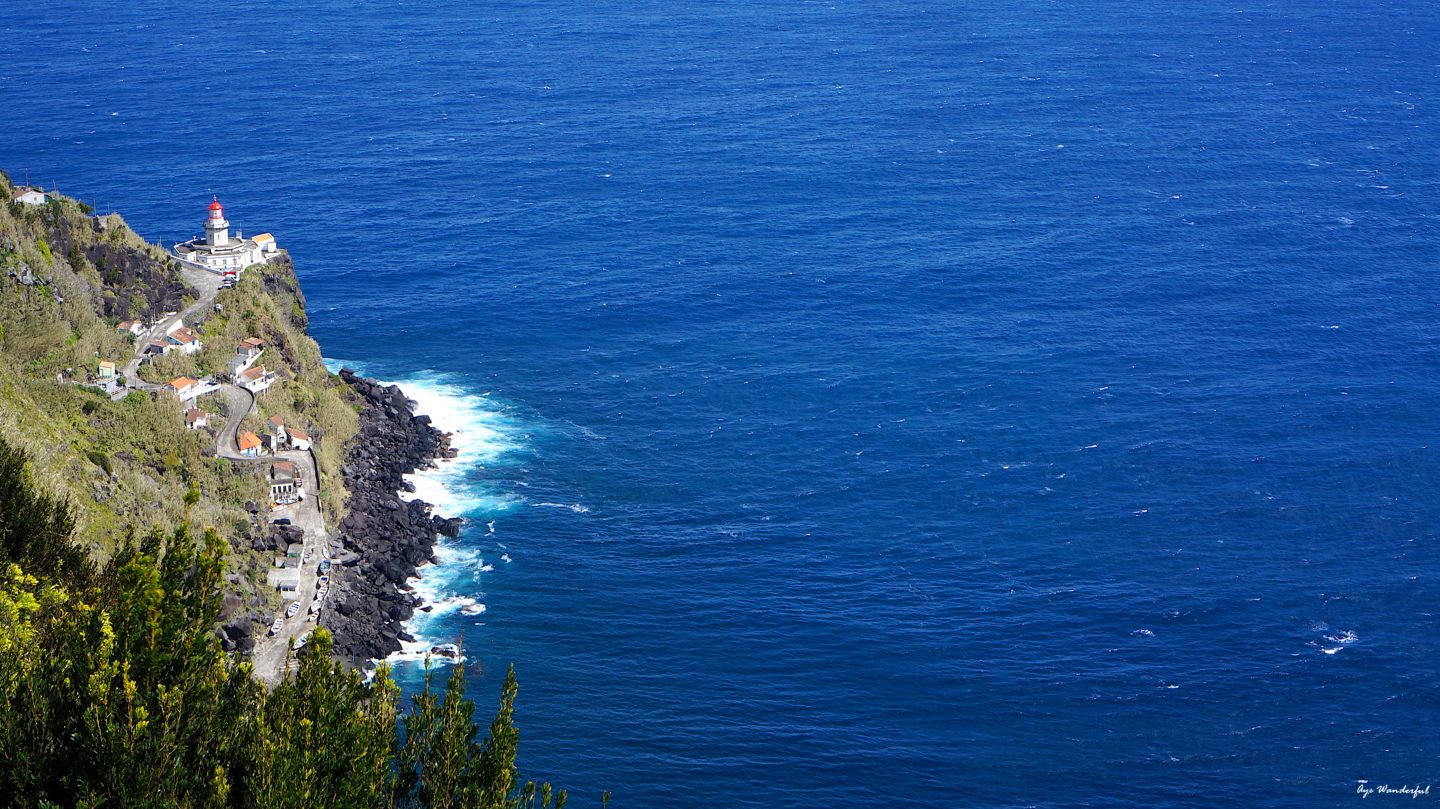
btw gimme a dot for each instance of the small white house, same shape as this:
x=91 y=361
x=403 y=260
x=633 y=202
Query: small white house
x=256 y=379
x=29 y=195
x=184 y=340
x=183 y=387
x=135 y=327
x=298 y=440
x=195 y=418
x=249 y=443
x=265 y=242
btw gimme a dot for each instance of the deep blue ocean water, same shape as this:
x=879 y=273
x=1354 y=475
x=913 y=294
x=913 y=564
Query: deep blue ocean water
x=987 y=404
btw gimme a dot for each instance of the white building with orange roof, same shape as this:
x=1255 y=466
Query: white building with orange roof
x=183 y=387
x=298 y=440
x=256 y=379
x=184 y=340
x=249 y=443
x=29 y=195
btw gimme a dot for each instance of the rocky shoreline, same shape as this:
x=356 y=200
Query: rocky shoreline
x=382 y=540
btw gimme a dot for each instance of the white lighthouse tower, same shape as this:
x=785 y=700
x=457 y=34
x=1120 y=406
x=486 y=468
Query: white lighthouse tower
x=217 y=230
x=219 y=253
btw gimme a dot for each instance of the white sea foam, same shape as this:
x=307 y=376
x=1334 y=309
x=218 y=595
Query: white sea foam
x=482 y=435
x=575 y=507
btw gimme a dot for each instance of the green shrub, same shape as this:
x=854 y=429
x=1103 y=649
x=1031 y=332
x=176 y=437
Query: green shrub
x=100 y=459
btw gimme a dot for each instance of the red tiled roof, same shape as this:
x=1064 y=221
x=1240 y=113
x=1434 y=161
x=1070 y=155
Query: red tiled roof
x=249 y=440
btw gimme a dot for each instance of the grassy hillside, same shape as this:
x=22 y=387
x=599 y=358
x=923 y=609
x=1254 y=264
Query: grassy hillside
x=66 y=279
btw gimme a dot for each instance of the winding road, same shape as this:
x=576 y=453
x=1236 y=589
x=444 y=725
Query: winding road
x=271 y=654
x=204 y=282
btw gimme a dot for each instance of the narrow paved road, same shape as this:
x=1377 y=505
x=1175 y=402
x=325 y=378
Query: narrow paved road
x=205 y=283
x=271 y=654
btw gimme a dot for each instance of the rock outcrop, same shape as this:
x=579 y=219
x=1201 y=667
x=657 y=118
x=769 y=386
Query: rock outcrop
x=382 y=540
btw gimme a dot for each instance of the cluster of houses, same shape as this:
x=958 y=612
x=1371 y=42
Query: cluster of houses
x=243 y=369
x=286 y=485
x=276 y=437
x=178 y=337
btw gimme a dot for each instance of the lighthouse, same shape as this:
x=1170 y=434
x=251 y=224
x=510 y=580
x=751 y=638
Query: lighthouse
x=217 y=230
x=219 y=253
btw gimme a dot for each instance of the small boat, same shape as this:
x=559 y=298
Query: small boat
x=277 y=626
x=315 y=608
x=324 y=579
x=292 y=609
x=301 y=641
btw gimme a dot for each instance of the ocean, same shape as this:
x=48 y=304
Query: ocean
x=1022 y=404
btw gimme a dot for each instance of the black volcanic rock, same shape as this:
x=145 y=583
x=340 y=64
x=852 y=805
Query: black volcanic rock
x=385 y=539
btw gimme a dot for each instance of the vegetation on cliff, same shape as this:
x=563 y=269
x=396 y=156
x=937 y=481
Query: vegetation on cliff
x=114 y=692
x=67 y=278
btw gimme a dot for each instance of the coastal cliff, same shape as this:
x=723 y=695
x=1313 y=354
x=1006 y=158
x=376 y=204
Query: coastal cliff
x=118 y=449
x=145 y=549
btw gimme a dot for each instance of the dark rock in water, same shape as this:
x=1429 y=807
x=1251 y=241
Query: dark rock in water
x=448 y=527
